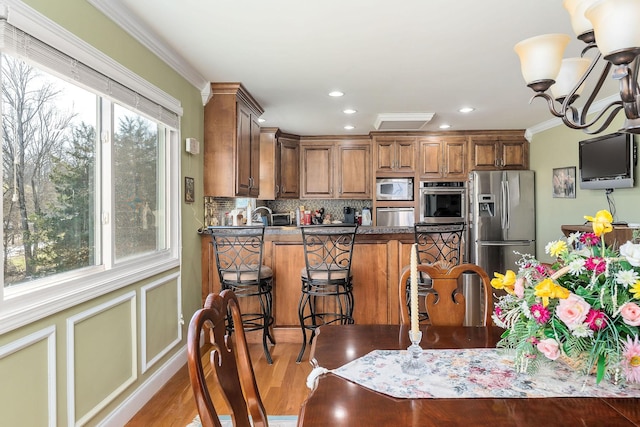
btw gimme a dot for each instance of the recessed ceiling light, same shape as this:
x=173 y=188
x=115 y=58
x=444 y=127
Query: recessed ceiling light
x=336 y=93
x=444 y=126
x=349 y=127
x=261 y=120
x=349 y=111
x=466 y=109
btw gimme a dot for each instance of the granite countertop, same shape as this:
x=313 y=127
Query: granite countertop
x=363 y=229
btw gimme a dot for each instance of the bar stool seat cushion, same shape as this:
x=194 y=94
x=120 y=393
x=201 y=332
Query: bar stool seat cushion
x=248 y=275
x=333 y=272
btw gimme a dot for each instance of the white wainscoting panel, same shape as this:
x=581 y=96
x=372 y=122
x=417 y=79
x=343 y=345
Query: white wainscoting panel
x=72 y=323
x=48 y=334
x=171 y=280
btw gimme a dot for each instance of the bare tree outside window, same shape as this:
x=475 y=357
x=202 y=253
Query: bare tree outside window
x=39 y=138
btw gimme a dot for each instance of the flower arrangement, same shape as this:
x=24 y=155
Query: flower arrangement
x=583 y=309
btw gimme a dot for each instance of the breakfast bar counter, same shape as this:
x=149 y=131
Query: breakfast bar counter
x=379 y=255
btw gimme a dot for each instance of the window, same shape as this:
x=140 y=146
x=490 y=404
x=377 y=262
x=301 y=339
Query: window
x=49 y=175
x=90 y=169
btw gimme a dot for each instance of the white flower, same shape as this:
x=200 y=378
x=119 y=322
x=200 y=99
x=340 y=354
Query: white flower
x=526 y=310
x=576 y=266
x=551 y=246
x=632 y=252
x=583 y=252
x=582 y=330
x=573 y=238
x=626 y=277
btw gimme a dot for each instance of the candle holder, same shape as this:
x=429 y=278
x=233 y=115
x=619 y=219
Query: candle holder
x=413 y=363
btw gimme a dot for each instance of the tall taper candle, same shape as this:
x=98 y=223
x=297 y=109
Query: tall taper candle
x=414 y=291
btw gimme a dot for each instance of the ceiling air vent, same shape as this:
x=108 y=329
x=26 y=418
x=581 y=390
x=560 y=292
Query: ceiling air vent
x=402 y=121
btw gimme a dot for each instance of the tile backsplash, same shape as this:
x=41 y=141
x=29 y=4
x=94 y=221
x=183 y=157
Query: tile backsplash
x=215 y=208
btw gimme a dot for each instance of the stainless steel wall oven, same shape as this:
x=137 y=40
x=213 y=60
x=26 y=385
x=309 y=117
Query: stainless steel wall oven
x=443 y=202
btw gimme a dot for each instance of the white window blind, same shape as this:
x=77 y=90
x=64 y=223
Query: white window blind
x=17 y=42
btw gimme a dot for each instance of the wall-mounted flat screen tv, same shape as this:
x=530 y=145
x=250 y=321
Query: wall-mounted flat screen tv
x=607 y=161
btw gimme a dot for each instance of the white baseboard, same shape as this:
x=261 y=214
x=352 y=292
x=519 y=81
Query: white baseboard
x=136 y=400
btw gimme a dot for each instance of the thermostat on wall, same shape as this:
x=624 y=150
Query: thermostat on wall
x=192 y=146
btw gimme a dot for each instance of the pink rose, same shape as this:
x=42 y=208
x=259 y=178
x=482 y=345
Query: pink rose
x=549 y=347
x=573 y=311
x=519 y=287
x=630 y=313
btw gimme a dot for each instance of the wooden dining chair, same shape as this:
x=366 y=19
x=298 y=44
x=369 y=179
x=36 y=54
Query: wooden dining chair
x=230 y=362
x=445 y=302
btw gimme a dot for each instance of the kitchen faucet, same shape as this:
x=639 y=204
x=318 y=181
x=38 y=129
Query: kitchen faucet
x=270 y=215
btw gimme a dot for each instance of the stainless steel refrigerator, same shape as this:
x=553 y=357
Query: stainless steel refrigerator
x=502 y=222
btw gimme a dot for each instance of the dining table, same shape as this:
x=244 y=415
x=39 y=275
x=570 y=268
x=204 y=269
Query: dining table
x=335 y=401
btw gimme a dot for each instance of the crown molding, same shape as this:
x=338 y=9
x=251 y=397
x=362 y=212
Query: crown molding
x=122 y=16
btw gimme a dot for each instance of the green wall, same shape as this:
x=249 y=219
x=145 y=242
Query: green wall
x=556 y=148
x=113 y=337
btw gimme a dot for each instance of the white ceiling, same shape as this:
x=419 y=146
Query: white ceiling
x=407 y=56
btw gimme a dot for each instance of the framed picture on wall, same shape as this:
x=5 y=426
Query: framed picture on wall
x=564 y=182
x=189 y=190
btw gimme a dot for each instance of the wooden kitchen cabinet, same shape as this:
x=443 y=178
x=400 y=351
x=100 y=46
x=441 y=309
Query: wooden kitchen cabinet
x=316 y=167
x=279 y=165
x=335 y=169
x=443 y=158
x=353 y=180
x=231 y=142
x=500 y=151
x=394 y=154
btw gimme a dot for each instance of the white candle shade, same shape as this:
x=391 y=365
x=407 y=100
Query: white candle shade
x=579 y=22
x=615 y=24
x=541 y=56
x=571 y=70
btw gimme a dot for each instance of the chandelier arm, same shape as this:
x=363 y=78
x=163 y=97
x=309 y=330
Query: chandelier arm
x=550 y=103
x=596 y=89
x=571 y=97
x=629 y=92
x=612 y=114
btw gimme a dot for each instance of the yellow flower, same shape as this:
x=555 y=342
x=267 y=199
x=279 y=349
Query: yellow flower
x=505 y=281
x=635 y=290
x=556 y=248
x=548 y=289
x=601 y=223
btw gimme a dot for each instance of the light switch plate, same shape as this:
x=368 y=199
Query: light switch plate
x=192 y=146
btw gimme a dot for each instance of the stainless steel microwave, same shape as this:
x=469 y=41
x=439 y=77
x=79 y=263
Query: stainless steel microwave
x=394 y=189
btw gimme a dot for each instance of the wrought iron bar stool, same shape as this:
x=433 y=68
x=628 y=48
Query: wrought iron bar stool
x=327 y=288
x=238 y=252
x=436 y=242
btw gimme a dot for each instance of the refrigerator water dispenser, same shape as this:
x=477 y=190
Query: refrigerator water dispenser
x=486 y=205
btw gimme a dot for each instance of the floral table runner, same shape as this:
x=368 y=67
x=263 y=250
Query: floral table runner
x=470 y=373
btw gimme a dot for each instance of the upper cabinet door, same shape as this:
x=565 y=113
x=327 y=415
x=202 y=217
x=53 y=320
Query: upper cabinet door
x=231 y=142
x=289 y=169
x=431 y=165
x=243 y=151
x=393 y=155
x=316 y=162
x=443 y=157
x=506 y=150
x=354 y=171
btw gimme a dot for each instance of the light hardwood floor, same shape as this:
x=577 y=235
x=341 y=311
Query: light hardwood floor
x=282 y=387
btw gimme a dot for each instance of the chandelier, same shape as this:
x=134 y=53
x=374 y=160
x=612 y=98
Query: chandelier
x=610 y=29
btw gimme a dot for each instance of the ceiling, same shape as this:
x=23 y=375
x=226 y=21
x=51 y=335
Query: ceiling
x=409 y=56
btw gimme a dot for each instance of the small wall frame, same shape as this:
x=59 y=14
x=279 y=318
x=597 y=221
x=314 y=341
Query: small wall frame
x=189 y=190
x=564 y=182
